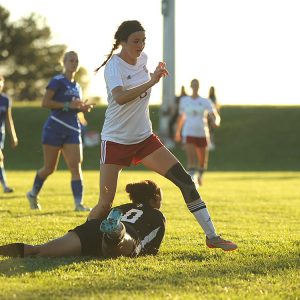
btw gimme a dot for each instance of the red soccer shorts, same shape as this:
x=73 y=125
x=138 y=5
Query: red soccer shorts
x=197 y=141
x=124 y=155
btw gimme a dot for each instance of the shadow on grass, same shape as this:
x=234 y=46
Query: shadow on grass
x=250 y=264
x=18 y=266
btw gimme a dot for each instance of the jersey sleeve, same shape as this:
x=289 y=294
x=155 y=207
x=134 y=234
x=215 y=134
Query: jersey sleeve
x=152 y=248
x=53 y=84
x=112 y=75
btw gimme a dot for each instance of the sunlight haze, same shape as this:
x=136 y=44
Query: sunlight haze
x=248 y=50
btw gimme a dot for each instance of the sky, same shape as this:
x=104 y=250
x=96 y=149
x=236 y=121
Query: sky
x=249 y=50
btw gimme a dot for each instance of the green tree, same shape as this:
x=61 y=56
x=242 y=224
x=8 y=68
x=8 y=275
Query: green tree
x=27 y=58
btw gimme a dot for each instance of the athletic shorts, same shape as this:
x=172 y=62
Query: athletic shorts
x=125 y=155
x=197 y=141
x=52 y=136
x=90 y=237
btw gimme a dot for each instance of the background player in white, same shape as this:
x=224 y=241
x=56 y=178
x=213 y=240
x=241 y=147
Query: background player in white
x=62 y=131
x=131 y=229
x=127 y=135
x=5 y=120
x=192 y=129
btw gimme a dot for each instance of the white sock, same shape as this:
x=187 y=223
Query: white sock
x=203 y=218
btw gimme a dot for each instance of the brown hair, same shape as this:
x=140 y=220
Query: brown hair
x=121 y=35
x=143 y=191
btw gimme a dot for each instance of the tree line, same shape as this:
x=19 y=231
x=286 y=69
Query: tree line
x=28 y=59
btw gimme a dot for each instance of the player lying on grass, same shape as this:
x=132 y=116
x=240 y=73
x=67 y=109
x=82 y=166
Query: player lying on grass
x=131 y=229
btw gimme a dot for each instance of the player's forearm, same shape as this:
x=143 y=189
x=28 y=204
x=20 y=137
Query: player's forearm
x=179 y=125
x=126 y=96
x=10 y=126
x=215 y=119
x=51 y=104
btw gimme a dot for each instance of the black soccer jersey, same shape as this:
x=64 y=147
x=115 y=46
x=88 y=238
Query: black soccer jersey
x=146 y=223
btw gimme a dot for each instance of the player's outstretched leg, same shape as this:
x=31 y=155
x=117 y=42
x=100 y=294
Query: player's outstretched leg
x=197 y=207
x=12 y=250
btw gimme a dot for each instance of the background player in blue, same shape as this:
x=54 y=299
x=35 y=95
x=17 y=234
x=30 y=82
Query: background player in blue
x=5 y=119
x=131 y=229
x=62 y=132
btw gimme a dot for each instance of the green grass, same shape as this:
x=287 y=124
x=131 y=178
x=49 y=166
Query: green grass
x=258 y=210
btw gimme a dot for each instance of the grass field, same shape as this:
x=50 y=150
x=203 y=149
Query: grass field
x=260 y=211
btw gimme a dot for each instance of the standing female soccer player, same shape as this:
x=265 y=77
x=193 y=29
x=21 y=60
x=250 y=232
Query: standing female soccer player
x=5 y=120
x=192 y=129
x=61 y=132
x=127 y=135
x=131 y=229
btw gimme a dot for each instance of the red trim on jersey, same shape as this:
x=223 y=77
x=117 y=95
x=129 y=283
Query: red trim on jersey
x=125 y=155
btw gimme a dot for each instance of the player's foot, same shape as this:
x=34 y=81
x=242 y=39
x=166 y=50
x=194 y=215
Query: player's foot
x=112 y=223
x=218 y=242
x=81 y=207
x=33 y=201
x=8 y=190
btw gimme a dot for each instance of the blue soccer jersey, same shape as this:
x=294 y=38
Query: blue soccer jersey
x=4 y=105
x=65 y=91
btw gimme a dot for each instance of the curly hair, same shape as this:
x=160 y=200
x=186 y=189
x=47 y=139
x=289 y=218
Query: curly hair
x=143 y=192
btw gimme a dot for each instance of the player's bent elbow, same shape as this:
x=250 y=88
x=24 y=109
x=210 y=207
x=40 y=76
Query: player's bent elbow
x=120 y=100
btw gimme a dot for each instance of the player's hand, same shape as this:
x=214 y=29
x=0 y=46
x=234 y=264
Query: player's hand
x=159 y=72
x=87 y=107
x=83 y=106
x=14 y=142
x=76 y=103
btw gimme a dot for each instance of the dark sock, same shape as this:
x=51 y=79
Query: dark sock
x=12 y=250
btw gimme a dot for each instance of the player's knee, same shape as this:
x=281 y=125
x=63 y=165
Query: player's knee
x=46 y=171
x=183 y=180
x=75 y=169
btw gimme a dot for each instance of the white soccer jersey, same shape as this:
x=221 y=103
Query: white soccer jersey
x=195 y=111
x=128 y=123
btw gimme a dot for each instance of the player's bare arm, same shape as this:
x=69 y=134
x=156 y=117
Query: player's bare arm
x=123 y=96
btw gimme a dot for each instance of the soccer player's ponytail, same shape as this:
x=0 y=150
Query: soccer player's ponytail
x=115 y=47
x=121 y=35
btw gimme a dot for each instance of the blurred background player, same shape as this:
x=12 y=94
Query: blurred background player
x=174 y=111
x=62 y=131
x=212 y=97
x=192 y=130
x=6 y=120
x=131 y=229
